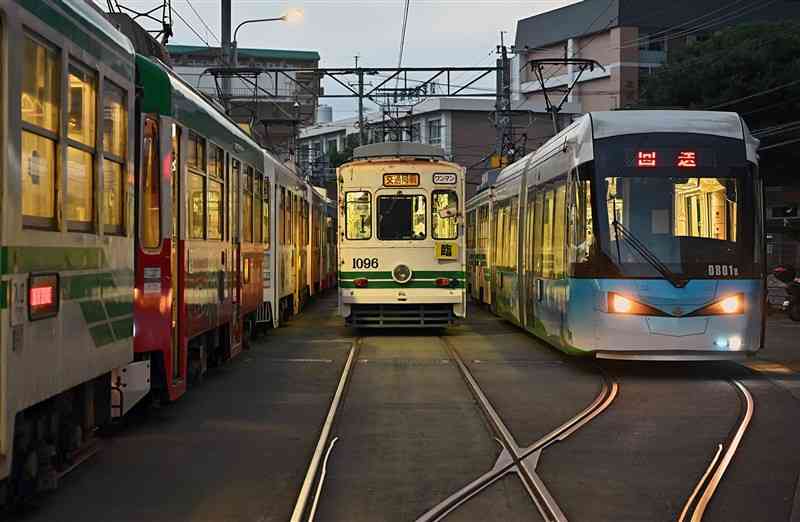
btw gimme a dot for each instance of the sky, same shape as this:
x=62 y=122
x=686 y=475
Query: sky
x=439 y=32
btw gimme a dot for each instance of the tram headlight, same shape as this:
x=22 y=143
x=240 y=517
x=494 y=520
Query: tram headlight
x=401 y=274
x=730 y=305
x=619 y=304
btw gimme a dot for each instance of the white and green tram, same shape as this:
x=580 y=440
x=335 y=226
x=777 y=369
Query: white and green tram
x=401 y=237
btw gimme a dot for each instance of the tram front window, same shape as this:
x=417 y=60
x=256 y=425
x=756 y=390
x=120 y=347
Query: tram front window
x=401 y=217
x=695 y=227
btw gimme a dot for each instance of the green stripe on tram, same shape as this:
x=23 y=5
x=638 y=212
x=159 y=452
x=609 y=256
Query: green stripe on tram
x=422 y=274
x=23 y=259
x=383 y=284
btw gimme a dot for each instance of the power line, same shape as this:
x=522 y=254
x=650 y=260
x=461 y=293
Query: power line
x=189 y=3
x=182 y=19
x=649 y=37
x=754 y=95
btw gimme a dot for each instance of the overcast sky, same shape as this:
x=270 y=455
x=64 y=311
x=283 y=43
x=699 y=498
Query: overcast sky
x=439 y=32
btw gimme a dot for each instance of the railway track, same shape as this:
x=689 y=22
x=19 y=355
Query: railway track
x=515 y=459
x=308 y=497
x=701 y=495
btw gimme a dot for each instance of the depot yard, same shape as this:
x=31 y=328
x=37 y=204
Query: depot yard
x=410 y=432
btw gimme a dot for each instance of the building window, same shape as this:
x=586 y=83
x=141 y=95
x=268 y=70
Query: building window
x=332 y=146
x=416 y=133
x=435 y=132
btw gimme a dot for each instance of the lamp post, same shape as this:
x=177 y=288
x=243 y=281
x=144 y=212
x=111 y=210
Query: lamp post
x=291 y=15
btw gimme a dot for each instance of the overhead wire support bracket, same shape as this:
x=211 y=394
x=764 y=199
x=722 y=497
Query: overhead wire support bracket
x=582 y=64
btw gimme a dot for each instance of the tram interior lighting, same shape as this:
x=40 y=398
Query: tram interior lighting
x=361 y=282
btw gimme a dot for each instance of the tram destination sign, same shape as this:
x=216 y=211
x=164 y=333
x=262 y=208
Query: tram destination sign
x=401 y=180
x=445 y=178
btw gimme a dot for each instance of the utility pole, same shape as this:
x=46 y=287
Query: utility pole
x=226 y=52
x=362 y=132
x=502 y=118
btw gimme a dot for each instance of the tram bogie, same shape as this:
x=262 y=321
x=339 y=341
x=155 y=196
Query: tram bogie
x=401 y=237
x=632 y=234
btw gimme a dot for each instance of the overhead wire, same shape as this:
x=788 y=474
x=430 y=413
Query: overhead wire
x=208 y=29
x=187 y=24
x=402 y=39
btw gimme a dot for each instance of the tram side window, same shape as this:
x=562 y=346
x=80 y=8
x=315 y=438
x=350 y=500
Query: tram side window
x=196 y=206
x=151 y=187
x=511 y=242
x=529 y=234
x=115 y=141
x=81 y=149
x=215 y=210
x=444 y=214
x=483 y=226
x=40 y=107
x=538 y=218
x=559 y=230
x=247 y=206
x=282 y=203
x=471 y=227
x=358 y=215
x=580 y=224
x=233 y=182
x=265 y=213
x=257 y=225
x=497 y=254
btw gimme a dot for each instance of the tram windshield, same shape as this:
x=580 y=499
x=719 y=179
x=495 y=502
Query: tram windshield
x=666 y=208
x=401 y=217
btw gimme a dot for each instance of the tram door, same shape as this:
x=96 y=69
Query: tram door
x=235 y=265
x=174 y=264
x=533 y=255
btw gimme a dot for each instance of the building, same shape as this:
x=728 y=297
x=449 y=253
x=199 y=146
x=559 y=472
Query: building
x=271 y=106
x=463 y=127
x=628 y=37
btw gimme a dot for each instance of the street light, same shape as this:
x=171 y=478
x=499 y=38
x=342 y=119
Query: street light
x=290 y=16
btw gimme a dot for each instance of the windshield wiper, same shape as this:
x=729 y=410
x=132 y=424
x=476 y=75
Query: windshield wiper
x=647 y=254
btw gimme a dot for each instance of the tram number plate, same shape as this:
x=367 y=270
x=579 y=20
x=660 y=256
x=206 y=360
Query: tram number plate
x=723 y=271
x=365 y=262
x=446 y=251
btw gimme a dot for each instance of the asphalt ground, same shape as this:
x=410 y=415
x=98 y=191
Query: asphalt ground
x=234 y=448
x=410 y=433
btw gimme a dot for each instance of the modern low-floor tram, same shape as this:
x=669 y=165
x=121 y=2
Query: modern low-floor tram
x=632 y=234
x=401 y=237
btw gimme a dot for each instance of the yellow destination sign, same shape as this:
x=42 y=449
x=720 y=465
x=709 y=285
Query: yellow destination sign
x=400 y=180
x=446 y=250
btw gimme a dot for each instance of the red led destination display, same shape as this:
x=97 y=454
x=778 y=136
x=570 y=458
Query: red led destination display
x=688 y=158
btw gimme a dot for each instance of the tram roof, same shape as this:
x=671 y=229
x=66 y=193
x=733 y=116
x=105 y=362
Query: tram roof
x=606 y=124
x=398 y=149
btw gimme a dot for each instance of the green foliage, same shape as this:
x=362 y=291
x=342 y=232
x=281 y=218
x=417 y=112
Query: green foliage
x=336 y=159
x=737 y=63
x=732 y=64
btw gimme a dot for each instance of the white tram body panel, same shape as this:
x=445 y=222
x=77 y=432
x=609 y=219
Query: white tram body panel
x=401 y=237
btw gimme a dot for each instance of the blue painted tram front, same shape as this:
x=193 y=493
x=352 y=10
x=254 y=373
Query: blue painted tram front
x=638 y=235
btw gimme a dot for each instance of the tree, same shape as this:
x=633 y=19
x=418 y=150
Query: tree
x=751 y=69
x=339 y=157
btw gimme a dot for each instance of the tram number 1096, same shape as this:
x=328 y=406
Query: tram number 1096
x=365 y=262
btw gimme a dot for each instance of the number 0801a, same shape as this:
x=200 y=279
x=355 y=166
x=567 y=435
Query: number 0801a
x=365 y=262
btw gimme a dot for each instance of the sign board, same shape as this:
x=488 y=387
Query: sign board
x=401 y=180
x=446 y=250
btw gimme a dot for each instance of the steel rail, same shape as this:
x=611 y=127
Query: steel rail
x=313 y=466
x=513 y=458
x=719 y=465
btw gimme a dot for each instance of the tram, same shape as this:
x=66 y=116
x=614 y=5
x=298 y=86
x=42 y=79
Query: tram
x=142 y=236
x=401 y=237
x=634 y=235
